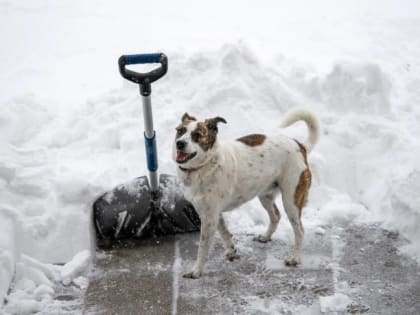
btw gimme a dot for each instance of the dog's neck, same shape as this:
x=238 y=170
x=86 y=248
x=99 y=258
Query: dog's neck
x=191 y=169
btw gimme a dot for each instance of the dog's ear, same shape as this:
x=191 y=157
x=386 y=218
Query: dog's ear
x=186 y=118
x=212 y=123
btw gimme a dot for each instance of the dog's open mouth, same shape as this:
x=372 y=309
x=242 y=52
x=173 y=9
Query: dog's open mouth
x=182 y=157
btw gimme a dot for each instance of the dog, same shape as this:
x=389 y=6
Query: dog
x=220 y=177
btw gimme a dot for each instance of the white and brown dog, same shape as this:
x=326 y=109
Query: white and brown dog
x=222 y=176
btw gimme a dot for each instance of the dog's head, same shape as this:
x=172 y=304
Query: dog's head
x=195 y=140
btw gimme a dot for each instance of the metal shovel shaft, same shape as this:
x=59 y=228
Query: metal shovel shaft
x=150 y=141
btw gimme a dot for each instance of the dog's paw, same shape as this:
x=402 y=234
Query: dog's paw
x=192 y=275
x=262 y=239
x=231 y=256
x=292 y=261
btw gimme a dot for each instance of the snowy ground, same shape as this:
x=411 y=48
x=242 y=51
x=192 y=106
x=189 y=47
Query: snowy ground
x=346 y=269
x=70 y=127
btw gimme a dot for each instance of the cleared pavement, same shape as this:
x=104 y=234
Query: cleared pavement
x=360 y=262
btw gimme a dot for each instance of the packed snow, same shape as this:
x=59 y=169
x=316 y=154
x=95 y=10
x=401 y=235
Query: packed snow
x=71 y=127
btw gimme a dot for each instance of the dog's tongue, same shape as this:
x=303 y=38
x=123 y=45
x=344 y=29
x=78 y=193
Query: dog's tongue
x=181 y=156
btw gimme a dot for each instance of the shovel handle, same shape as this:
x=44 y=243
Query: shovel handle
x=143 y=79
x=142 y=59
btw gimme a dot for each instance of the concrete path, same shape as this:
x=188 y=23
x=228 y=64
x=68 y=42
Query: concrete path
x=360 y=263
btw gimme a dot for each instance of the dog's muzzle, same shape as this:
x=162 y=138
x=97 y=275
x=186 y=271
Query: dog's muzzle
x=183 y=157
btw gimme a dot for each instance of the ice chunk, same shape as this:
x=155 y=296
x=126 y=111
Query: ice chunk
x=74 y=268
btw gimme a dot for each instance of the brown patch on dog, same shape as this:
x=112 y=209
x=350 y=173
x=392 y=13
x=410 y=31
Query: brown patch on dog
x=302 y=190
x=252 y=140
x=305 y=179
x=205 y=133
x=203 y=136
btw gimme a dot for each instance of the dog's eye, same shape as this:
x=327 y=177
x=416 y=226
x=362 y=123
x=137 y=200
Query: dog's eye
x=181 y=131
x=195 y=136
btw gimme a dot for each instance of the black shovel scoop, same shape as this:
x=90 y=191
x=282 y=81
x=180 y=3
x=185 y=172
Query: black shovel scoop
x=144 y=206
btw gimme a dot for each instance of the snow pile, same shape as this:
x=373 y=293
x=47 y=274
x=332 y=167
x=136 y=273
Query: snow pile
x=75 y=267
x=9 y=249
x=52 y=205
x=403 y=210
x=34 y=284
x=357 y=88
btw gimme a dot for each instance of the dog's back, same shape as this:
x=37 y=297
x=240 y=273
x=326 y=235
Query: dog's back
x=249 y=170
x=255 y=163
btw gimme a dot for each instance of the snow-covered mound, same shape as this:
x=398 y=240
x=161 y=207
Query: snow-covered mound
x=9 y=248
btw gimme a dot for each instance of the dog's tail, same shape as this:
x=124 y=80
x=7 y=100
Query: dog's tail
x=311 y=121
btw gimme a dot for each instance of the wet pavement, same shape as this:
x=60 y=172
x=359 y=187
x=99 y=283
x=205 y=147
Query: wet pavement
x=361 y=262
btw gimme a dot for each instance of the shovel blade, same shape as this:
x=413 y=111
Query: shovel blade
x=174 y=214
x=132 y=211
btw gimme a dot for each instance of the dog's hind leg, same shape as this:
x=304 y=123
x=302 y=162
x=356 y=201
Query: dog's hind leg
x=293 y=213
x=267 y=201
x=231 y=253
x=295 y=190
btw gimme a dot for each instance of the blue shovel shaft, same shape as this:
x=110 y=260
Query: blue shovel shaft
x=150 y=143
x=151 y=153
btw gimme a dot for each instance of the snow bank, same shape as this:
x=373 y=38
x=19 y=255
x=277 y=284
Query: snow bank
x=9 y=249
x=35 y=283
x=75 y=267
x=52 y=205
x=358 y=88
x=402 y=211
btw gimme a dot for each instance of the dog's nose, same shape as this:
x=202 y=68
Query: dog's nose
x=180 y=145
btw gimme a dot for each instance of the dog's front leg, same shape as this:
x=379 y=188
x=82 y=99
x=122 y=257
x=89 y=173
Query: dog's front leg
x=209 y=222
x=231 y=253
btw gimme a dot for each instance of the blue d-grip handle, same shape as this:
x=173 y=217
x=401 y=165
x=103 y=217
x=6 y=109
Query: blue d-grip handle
x=143 y=79
x=142 y=58
x=151 y=153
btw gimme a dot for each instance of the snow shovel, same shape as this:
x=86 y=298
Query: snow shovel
x=144 y=206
